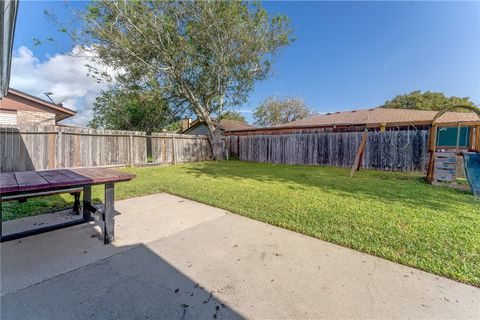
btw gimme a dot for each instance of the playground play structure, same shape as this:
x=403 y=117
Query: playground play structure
x=448 y=144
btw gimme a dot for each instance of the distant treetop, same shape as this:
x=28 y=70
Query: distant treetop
x=234 y=116
x=428 y=100
x=274 y=111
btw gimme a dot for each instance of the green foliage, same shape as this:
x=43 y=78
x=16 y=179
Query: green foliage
x=427 y=100
x=203 y=54
x=36 y=42
x=119 y=109
x=211 y=49
x=234 y=116
x=174 y=126
x=274 y=111
x=396 y=216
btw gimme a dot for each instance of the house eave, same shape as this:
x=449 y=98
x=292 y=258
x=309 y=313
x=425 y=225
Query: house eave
x=8 y=15
x=60 y=111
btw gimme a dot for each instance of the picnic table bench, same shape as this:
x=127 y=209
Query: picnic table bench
x=28 y=184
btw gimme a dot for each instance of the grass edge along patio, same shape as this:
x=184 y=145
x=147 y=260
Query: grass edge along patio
x=396 y=216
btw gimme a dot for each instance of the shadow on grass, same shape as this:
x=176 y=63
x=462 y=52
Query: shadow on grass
x=14 y=210
x=388 y=187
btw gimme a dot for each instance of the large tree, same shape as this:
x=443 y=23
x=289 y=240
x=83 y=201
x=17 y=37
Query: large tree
x=274 y=111
x=204 y=54
x=124 y=109
x=427 y=100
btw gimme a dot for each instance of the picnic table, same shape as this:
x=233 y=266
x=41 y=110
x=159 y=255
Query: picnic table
x=28 y=184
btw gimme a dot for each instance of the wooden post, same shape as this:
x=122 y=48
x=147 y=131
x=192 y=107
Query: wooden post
x=51 y=150
x=458 y=138
x=358 y=158
x=432 y=138
x=77 y=155
x=431 y=149
x=59 y=148
x=164 y=150
x=132 y=162
x=477 y=138
x=431 y=160
x=174 y=150
x=471 y=139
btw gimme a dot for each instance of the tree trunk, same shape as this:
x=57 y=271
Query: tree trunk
x=216 y=143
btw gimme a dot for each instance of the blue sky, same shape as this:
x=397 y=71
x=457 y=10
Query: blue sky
x=347 y=55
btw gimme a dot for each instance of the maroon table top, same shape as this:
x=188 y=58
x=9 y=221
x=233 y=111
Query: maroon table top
x=13 y=182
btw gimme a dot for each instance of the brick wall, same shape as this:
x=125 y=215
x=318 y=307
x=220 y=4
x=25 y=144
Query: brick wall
x=32 y=119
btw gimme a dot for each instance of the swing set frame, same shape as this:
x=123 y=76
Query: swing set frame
x=474 y=138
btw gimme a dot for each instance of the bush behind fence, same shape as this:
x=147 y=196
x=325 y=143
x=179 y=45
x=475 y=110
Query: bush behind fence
x=54 y=147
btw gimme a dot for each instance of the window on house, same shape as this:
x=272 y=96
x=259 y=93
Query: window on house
x=8 y=117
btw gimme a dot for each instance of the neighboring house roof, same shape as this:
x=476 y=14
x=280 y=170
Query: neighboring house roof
x=225 y=125
x=382 y=116
x=230 y=125
x=20 y=98
x=8 y=17
x=371 y=118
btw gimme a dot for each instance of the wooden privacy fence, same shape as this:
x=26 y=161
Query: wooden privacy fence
x=70 y=147
x=397 y=151
x=391 y=150
x=174 y=148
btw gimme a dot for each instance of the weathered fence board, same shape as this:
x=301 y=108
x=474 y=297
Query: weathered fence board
x=173 y=148
x=64 y=147
x=67 y=147
x=84 y=147
x=397 y=151
x=391 y=150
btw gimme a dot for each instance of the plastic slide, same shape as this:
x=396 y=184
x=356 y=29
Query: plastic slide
x=472 y=169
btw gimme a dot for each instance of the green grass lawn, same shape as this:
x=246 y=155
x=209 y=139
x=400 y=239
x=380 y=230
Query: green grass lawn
x=395 y=216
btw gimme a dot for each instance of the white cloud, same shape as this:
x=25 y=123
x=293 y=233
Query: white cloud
x=66 y=75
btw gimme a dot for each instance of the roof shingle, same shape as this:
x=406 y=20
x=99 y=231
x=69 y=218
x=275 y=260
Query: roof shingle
x=381 y=116
x=230 y=125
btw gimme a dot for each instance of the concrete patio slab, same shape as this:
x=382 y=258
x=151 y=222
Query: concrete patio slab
x=40 y=221
x=141 y=220
x=175 y=258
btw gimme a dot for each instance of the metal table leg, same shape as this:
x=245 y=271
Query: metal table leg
x=87 y=202
x=108 y=214
x=1 y=219
x=76 y=202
